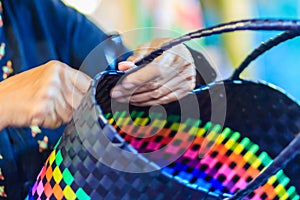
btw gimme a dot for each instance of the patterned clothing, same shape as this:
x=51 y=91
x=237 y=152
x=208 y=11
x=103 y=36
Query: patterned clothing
x=33 y=32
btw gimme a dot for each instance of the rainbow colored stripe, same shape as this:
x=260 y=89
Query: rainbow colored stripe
x=228 y=164
x=231 y=162
x=54 y=183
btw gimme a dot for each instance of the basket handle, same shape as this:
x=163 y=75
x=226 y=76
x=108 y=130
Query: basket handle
x=247 y=24
x=264 y=47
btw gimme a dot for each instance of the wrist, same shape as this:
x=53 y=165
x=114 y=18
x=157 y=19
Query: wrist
x=4 y=110
x=2 y=116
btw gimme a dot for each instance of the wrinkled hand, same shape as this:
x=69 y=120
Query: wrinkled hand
x=168 y=78
x=44 y=96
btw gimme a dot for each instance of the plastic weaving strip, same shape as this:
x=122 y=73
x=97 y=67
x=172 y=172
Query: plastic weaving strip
x=229 y=165
x=213 y=162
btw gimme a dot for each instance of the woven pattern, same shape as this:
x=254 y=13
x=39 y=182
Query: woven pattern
x=264 y=114
x=72 y=172
x=230 y=164
x=84 y=163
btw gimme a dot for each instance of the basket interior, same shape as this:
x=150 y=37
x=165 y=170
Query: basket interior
x=217 y=156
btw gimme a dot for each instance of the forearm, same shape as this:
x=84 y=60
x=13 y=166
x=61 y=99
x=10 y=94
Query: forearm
x=42 y=96
x=4 y=106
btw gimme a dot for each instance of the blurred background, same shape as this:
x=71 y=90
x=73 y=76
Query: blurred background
x=141 y=20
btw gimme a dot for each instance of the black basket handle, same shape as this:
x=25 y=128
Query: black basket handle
x=292 y=28
x=264 y=47
x=248 y=24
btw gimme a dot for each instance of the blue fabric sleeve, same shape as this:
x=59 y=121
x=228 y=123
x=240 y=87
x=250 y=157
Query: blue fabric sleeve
x=38 y=31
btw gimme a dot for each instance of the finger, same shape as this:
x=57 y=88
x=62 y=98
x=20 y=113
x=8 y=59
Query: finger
x=144 y=77
x=176 y=85
x=77 y=96
x=76 y=85
x=50 y=122
x=152 y=85
x=120 y=92
x=150 y=72
x=46 y=116
x=173 y=96
x=127 y=89
x=134 y=80
x=80 y=80
x=63 y=109
x=69 y=75
x=52 y=119
x=125 y=65
x=37 y=121
x=173 y=85
x=141 y=76
x=170 y=64
x=167 y=59
x=161 y=70
x=72 y=96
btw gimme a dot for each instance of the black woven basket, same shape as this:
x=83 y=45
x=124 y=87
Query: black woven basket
x=208 y=145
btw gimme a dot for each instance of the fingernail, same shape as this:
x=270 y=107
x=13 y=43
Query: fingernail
x=116 y=94
x=128 y=85
x=125 y=65
x=128 y=63
x=122 y=100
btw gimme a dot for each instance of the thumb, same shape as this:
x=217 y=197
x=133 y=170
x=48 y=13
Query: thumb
x=156 y=69
x=125 y=65
x=142 y=76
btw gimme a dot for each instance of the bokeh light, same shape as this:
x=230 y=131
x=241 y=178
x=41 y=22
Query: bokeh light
x=86 y=6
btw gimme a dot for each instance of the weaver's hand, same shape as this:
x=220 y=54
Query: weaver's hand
x=44 y=96
x=169 y=77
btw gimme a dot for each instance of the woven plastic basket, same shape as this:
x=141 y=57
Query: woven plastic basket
x=207 y=145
